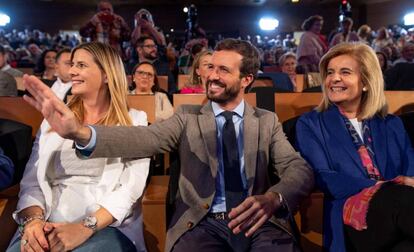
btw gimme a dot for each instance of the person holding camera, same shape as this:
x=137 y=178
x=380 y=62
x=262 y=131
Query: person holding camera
x=107 y=27
x=144 y=26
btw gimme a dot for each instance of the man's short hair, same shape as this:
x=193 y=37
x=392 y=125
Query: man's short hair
x=59 y=53
x=250 y=62
x=141 y=41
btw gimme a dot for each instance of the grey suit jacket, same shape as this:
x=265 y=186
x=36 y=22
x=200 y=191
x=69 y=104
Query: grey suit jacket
x=271 y=163
x=8 y=86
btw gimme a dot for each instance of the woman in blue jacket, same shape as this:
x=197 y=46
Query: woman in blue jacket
x=362 y=157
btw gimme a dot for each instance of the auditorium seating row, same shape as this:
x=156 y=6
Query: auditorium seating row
x=287 y=106
x=301 y=81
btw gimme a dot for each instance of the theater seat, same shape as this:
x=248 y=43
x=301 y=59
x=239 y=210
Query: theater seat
x=408 y=121
x=289 y=127
x=8 y=203
x=16 y=141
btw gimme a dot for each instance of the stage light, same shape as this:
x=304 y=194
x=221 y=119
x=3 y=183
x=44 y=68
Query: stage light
x=409 y=19
x=172 y=30
x=295 y=1
x=185 y=9
x=4 y=19
x=268 y=23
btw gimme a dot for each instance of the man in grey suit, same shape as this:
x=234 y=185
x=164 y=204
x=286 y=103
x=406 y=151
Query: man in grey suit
x=251 y=210
x=5 y=67
x=8 y=85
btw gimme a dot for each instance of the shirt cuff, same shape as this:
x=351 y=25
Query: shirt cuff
x=90 y=147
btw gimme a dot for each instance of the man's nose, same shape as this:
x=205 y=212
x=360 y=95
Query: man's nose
x=213 y=74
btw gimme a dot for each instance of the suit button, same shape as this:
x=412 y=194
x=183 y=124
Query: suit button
x=190 y=224
x=206 y=206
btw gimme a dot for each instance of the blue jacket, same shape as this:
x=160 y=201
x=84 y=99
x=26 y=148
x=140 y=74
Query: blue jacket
x=326 y=144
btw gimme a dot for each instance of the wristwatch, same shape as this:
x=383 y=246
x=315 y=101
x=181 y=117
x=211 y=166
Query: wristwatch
x=91 y=222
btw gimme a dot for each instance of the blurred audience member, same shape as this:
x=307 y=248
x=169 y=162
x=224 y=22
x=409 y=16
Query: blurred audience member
x=107 y=27
x=382 y=40
x=289 y=42
x=191 y=49
x=46 y=67
x=63 y=82
x=407 y=54
x=288 y=65
x=4 y=65
x=148 y=52
x=8 y=85
x=312 y=45
x=144 y=26
x=35 y=53
x=383 y=61
x=346 y=34
x=145 y=81
x=199 y=74
x=365 y=34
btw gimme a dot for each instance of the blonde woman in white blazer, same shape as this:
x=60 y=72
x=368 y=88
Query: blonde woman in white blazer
x=67 y=203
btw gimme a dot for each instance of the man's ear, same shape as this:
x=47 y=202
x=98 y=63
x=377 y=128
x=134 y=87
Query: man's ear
x=246 y=80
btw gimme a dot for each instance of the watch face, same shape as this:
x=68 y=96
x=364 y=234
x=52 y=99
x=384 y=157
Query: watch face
x=90 y=222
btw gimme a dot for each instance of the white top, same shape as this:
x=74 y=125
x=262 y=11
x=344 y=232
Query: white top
x=73 y=183
x=60 y=88
x=358 y=127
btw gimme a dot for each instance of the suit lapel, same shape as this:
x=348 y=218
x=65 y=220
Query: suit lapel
x=208 y=129
x=339 y=138
x=251 y=144
x=379 y=138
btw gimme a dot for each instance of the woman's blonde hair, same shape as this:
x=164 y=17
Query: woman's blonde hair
x=110 y=63
x=373 y=99
x=286 y=56
x=194 y=79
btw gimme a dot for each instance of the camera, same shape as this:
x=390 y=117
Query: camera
x=144 y=16
x=106 y=18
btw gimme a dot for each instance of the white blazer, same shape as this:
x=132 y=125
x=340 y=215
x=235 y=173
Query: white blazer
x=119 y=190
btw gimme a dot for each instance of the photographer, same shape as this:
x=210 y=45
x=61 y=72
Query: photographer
x=145 y=27
x=107 y=27
x=194 y=31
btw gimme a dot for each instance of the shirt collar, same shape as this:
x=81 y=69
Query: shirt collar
x=5 y=67
x=217 y=110
x=64 y=83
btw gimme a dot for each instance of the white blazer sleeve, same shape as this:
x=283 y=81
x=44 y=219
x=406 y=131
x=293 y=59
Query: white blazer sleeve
x=120 y=201
x=30 y=192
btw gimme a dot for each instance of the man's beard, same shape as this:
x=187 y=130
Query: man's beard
x=229 y=93
x=151 y=56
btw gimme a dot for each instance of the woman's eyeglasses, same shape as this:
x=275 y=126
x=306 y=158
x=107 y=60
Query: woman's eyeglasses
x=144 y=74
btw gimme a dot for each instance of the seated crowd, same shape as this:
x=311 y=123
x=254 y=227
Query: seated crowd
x=238 y=181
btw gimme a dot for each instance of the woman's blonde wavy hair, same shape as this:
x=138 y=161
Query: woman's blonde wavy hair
x=194 y=78
x=373 y=101
x=110 y=63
